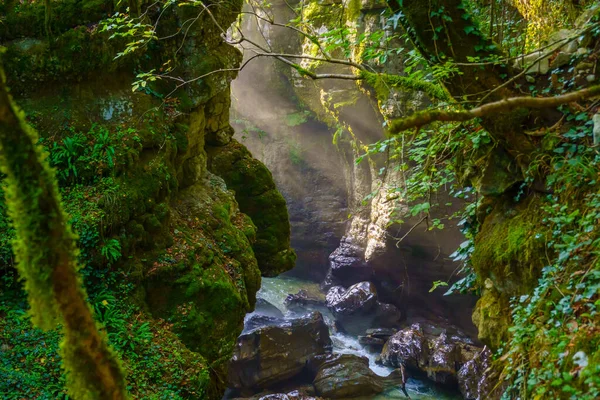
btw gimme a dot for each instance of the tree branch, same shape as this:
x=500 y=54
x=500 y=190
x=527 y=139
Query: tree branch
x=426 y=117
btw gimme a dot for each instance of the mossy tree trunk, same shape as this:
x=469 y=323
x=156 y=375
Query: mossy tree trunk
x=46 y=254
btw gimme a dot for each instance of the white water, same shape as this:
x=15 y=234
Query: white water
x=275 y=290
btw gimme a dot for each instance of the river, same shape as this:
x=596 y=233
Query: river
x=275 y=290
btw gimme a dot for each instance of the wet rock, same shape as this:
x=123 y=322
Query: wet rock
x=347 y=264
x=347 y=376
x=409 y=347
x=376 y=338
x=334 y=294
x=354 y=309
x=473 y=382
x=254 y=321
x=371 y=341
x=359 y=299
x=387 y=316
x=265 y=308
x=274 y=354
x=443 y=358
x=383 y=333
x=303 y=300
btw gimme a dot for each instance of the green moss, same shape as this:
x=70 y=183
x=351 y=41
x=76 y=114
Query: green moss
x=382 y=83
x=258 y=197
x=508 y=257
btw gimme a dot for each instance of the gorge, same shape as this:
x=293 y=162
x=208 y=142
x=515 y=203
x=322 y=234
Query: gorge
x=255 y=220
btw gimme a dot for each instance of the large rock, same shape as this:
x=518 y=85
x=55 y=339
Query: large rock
x=473 y=381
x=357 y=309
x=304 y=300
x=347 y=376
x=347 y=264
x=258 y=197
x=387 y=316
x=273 y=354
x=409 y=347
x=445 y=356
x=359 y=299
x=255 y=320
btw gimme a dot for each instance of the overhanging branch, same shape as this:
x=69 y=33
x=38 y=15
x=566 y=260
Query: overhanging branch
x=423 y=118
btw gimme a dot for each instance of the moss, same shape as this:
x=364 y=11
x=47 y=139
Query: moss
x=27 y=19
x=508 y=257
x=382 y=83
x=258 y=197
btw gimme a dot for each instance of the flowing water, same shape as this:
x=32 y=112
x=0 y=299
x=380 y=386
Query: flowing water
x=275 y=290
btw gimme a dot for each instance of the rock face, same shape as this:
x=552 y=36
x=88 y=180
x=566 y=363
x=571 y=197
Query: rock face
x=347 y=376
x=273 y=354
x=258 y=197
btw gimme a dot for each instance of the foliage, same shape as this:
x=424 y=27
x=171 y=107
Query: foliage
x=562 y=314
x=87 y=157
x=157 y=364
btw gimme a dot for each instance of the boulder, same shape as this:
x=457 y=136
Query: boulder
x=334 y=294
x=409 y=347
x=387 y=316
x=273 y=354
x=354 y=309
x=445 y=356
x=303 y=300
x=359 y=299
x=473 y=382
x=442 y=361
x=347 y=264
x=255 y=320
x=371 y=341
x=346 y=376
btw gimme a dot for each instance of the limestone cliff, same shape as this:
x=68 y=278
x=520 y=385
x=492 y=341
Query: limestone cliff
x=190 y=237
x=318 y=131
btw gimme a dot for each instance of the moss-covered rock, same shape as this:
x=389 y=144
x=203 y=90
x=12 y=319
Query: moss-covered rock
x=259 y=198
x=508 y=258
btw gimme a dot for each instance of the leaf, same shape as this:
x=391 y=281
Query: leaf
x=437 y=284
x=469 y=28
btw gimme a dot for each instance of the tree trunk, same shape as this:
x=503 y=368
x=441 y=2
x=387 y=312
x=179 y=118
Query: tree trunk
x=46 y=254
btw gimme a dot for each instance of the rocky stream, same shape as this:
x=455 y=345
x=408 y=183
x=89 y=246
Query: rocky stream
x=301 y=343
